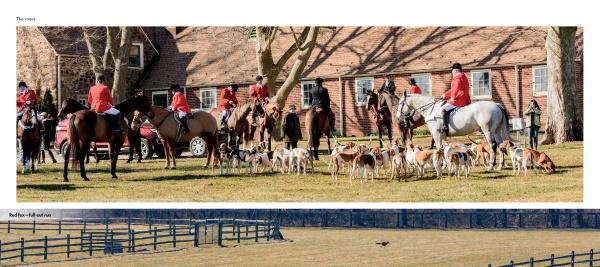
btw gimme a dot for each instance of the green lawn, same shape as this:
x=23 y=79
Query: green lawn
x=148 y=181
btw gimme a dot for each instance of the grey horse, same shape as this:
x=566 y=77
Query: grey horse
x=485 y=116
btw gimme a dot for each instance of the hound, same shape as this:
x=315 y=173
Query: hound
x=362 y=162
x=382 y=157
x=460 y=161
x=399 y=163
x=420 y=160
x=340 y=159
x=280 y=159
x=240 y=156
x=224 y=158
x=348 y=147
x=264 y=160
x=520 y=157
x=542 y=160
x=299 y=158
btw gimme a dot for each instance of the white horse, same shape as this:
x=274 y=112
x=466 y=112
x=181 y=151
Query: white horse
x=485 y=116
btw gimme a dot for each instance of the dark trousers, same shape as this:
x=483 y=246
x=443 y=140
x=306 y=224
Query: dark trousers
x=291 y=145
x=135 y=145
x=533 y=136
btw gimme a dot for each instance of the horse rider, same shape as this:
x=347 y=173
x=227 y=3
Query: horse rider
x=258 y=91
x=227 y=101
x=101 y=101
x=321 y=100
x=26 y=98
x=180 y=105
x=457 y=96
x=414 y=88
x=388 y=87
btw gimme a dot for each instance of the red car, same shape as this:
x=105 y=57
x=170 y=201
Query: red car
x=150 y=143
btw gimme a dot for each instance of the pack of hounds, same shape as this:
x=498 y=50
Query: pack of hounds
x=362 y=160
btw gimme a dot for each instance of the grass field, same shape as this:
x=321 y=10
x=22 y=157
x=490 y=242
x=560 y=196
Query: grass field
x=148 y=181
x=343 y=247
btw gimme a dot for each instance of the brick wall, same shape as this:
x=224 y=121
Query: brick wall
x=36 y=62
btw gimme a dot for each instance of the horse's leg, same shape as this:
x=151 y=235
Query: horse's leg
x=167 y=150
x=389 y=128
x=380 y=130
x=116 y=147
x=492 y=141
x=328 y=143
x=173 y=154
x=66 y=158
x=51 y=156
x=85 y=146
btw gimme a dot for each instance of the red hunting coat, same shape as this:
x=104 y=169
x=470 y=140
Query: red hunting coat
x=458 y=95
x=179 y=102
x=100 y=99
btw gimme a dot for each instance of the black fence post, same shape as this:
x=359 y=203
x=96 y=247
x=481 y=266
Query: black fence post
x=256 y=231
x=81 y=240
x=572 y=258
x=45 y=247
x=22 y=249
x=238 y=233
x=59 y=227
x=552 y=260
x=68 y=246
x=8 y=226
x=133 y=241
x=91 y=244
x=33 y=229
x=0 y=251
x=112 y=242
x=155 y=230
x=174 y=236
x=84 y=226
x=531 y=261
x=591 y=257
x=220 y=234
x=197 y=236
x=512 y=263
x=268 y=230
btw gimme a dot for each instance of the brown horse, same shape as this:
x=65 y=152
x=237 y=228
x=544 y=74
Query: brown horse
x=28 y=132
x=86 y=126
x=314 y=135
x=405 y=123
x=203 y=125
x=267 y=123
x=383 y=116
x=238 y=122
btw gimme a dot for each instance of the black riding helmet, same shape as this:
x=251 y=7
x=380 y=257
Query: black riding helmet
x=234 y=87
x=457 y=66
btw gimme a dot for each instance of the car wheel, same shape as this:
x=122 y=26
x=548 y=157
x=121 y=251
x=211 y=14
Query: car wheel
x=146 y=148
x=63 y=148
x=197 y=146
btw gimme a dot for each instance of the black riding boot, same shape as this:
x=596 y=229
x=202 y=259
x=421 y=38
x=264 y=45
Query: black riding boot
x=184 y=123
x=446 y=121
x=315 y=154
x=116 y=123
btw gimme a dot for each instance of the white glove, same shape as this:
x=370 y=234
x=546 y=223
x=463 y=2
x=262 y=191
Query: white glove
x=28 y=102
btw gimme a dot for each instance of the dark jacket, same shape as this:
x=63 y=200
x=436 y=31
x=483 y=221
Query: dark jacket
x=320 y=97
x=390 y=88
x=290 y=128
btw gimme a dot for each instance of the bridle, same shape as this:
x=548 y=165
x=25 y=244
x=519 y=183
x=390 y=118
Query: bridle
x=412 y=112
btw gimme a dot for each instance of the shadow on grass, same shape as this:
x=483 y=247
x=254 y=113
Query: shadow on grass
x=48 y=187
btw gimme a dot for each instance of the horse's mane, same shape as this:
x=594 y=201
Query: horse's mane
x=124 y=104
x=76 y=103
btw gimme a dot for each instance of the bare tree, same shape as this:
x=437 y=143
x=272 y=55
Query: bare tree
x=565 y=116
x=112 y=56
x=301 y=49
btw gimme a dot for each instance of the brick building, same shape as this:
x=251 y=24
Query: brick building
x=505 y=64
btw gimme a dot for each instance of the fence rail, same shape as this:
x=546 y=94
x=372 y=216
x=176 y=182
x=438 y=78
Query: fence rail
x=95 y=236
x=573 y=259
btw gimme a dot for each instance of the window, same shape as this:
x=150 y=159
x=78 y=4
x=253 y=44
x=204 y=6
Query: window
x=306 y=96
x=136 y=55
x=208 y=98
x=424 y=82
x=481 y=84
x=540 y=80
x=362 y=85
x=82 y=99
x=161 y=98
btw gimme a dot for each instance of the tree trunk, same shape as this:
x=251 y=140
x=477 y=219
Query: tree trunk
x=119 y=90
x=97 y=68
x=565 y=117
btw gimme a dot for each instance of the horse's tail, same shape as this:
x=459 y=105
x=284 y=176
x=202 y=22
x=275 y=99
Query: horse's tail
x=74 y=143
x=505 y=129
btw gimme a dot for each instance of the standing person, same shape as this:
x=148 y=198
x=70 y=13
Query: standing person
x=227 y=101
x=321 y=100
x=47 y=136
x=135 y=137
x=180 y=105
x=290 y=128
x=388 y=87
x=414 y=88
x=457 y=96
x=258 y=91
x=101 y=101
x=533 y=122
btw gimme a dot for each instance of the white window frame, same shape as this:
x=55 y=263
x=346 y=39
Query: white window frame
x=83 y=97
x=472 y=83
x=141 y=45
x=356 y=80
x=212 y=90
x=302 y=83
x=533 y=68
x=428 y=77
x=161 y=92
